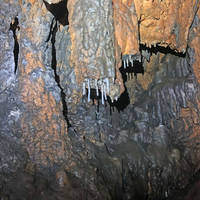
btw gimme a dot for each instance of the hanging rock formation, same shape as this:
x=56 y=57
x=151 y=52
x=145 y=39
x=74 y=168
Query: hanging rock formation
x=99 y=99
x=92 y=51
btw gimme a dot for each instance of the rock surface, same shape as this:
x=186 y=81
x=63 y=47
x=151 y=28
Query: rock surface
x=60 y=145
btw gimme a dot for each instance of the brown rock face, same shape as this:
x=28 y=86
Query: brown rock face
x=44 y=128
x=105 y=107
x=194 y=43
x=153 y=22
x=165 y=23
x=126 y=27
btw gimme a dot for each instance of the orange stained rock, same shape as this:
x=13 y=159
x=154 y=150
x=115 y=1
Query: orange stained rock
x=119 y=79
x=126 y=26
x=195 y=44
x=74 y=59
x=165 y=23
x=191 y=117
x=42 y=133
x=42 y=122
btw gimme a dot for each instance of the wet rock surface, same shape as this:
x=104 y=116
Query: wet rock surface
x=57 y=145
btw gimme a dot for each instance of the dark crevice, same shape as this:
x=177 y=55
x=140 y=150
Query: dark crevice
x=137 y=68
x=51 y=29
x=59 y=11
x=164 y=50
x=14 y=26
x=126 y=73
x=122 y=102
x=54 y=29
x=191 y=190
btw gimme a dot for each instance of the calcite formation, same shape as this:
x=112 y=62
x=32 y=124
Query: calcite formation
x=93 y=52
x=53 y=1
x=122 y=26
x=61 y=135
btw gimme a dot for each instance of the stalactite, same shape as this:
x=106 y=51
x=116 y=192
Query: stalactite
x=88 y=90
x=93 y=49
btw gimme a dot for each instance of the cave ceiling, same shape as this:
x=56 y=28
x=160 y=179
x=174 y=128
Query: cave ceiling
x=100 y=99
x=105 y=33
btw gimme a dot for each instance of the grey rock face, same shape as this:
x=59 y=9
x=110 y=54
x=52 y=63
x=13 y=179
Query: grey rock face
x=13 y=155
x=111 y=151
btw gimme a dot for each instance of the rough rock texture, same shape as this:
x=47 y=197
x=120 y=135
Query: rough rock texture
x=91 y=30
x=195 y=39
x=165 y=23
x=43 y=130
x=126 y=27
x=12 y=154
x=145 y=145
x=92 y=50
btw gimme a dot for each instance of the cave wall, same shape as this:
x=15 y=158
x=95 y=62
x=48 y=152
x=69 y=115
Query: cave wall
x=137 y=139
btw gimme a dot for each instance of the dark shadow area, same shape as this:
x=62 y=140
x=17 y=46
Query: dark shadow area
x=132 y=69
x=54 y=29
x=127 y=73
x=37 y=186
x=122 y=102
x=59 y=11
x=164 y=50
x=191 y=191
x=14 y=26
x=137 y=68
x=96 y=100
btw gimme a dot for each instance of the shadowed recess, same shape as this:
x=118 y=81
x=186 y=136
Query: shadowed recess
x=122 y=102
x=52 y=36
x=59 y=10
x=137 y=68
x=14 y=26
x=164 y=50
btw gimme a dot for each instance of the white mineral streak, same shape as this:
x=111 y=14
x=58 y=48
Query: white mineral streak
x=127 y=62
x=84 y=91
x=113 y=80
x=53 y=1
x=107 y=85
x=124 y=64
x=131 y=62
x=88 y=90
x=96 y=86
x=102 y=95
x=104 y=91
